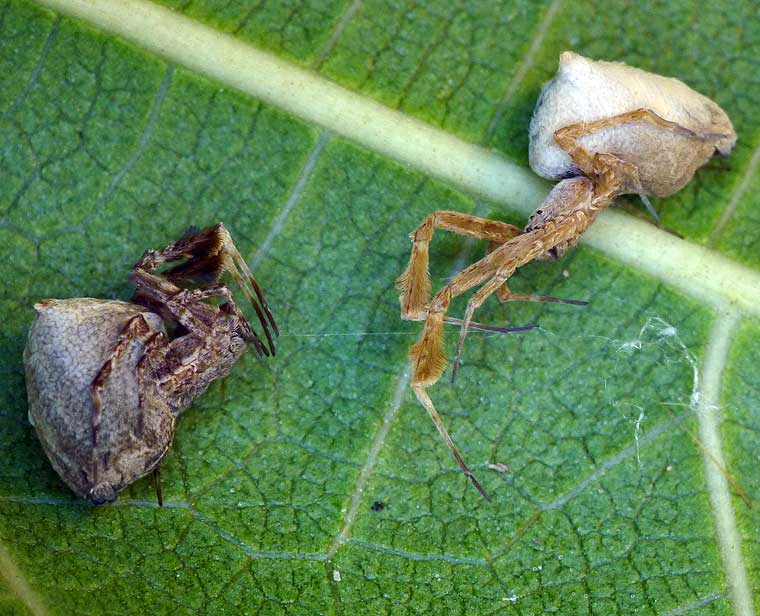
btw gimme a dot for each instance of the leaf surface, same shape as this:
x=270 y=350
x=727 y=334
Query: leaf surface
x=313 y=482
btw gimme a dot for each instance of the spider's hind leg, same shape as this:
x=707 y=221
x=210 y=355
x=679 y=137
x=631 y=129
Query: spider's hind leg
x=143 y=330
x=568 y=136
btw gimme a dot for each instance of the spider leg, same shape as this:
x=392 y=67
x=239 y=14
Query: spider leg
x=497 y=282
x=575 y=211
x=193 y=296
x=425 y=400
x=573 y=208
x=572 y=200
x=505 y=295
x=136 y=330
x=414 y=283
x=170 y=301
x=205 y=255
x=235 y=264
x=568 y=137
x=428 y=360
x=616 y=175
x=187 y=306
x=143 y=330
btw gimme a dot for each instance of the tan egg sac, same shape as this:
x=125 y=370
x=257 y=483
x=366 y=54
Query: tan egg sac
x=69 y=342
x=585 y=90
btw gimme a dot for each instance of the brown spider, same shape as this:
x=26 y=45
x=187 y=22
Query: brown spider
x=106 y=380
x=604 y=129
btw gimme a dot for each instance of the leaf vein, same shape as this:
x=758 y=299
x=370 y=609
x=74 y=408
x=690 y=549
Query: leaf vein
x=527 y=63
x=34 y=75
x=729 y=540
x=737 y=196
x=689 y=267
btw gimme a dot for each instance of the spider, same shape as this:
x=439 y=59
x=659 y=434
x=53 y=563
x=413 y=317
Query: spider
x=604 y=129
x=106 y=379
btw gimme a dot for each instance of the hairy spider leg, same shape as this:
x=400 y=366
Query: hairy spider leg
x=428 y=360
x=568 y=137
x=136 y=330
x=414 y=283
x=425 y=400
x=191 y=296
x=208 y=253
x=580 y=199
x=505 y=295
x=186 y=306
x=427 y=356
x=595 y=165
x=233 y=260
x=610 y=175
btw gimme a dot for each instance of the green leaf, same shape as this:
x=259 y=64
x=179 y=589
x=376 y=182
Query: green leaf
x=313 y=482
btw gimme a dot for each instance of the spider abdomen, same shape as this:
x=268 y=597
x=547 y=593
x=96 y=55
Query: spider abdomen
x=96 y=454
x=585 y=90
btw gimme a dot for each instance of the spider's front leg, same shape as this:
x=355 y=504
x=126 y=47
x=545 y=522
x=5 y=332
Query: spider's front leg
x=205 y=255
x=572 y=210
x=414 y=283
x=428 y=359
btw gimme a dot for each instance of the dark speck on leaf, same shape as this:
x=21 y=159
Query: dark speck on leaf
x=378 y=506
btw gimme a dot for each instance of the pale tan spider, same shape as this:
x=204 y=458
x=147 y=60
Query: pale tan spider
x=604 y=129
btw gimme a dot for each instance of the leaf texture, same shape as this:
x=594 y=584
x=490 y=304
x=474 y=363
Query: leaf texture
x=313 y=483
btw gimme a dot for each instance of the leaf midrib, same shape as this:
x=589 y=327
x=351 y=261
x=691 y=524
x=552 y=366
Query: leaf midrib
x=691 y=268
